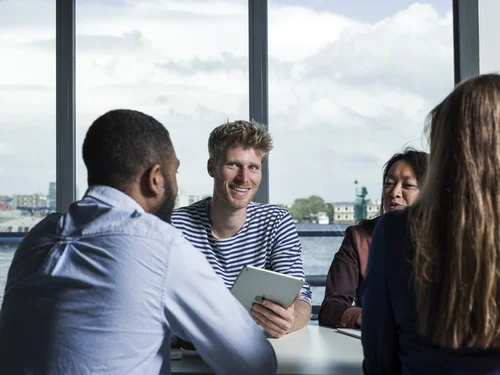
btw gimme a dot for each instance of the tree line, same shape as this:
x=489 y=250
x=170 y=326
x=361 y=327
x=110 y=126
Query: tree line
x=307 y=210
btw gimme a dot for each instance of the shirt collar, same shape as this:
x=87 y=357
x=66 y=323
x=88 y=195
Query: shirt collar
x=113 y=197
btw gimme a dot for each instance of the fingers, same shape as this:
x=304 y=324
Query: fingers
x=274 y=307
x=270 y=326
x=270 y=318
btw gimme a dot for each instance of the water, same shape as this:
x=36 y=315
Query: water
x=6 y=255
x=318 y=253
x=317 y=256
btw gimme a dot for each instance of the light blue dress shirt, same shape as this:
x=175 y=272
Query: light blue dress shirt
x=101 y=290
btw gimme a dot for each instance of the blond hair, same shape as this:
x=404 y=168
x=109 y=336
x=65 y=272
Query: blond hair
x=455 y=222
x=239 y=133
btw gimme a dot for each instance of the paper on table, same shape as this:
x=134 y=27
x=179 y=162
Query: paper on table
x=175 y=354
x=353 y=332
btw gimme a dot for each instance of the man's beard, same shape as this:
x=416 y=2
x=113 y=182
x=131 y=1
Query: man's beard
x=165 y=209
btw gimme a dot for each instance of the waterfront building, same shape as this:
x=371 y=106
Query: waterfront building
x=29 y=200
x=184 y=199
x=344 y=212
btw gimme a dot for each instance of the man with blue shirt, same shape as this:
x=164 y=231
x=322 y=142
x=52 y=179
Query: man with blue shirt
x=102 y=288
x=232 y=231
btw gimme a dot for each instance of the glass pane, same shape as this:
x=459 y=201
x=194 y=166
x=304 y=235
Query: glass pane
x=183 y=62
x=27 y=119
x=489 y=55
x=350 y=84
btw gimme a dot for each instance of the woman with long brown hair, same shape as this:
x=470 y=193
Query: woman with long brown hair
x=432 y=292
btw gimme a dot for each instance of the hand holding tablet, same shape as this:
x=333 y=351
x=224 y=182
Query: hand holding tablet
x=253 y=285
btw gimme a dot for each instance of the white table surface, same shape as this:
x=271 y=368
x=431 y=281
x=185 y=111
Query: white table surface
x=312 y=350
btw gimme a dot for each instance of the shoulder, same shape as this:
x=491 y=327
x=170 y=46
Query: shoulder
x=128 y=227
x=348 y=246
x=45 y=231
x=362 y=232
x=153 y=228
x=197 y=208
x=193 y=213
x=274 y=218
x=49 y=224
x=366 y=227
x=267 y=211
x=351 y=229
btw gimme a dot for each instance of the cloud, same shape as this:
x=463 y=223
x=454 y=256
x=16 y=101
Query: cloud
x=129 y=42
x=344 y=95
x=363 y=53
x=226 y=62
x=36 y=19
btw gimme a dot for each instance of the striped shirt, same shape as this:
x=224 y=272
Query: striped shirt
x=268 y=239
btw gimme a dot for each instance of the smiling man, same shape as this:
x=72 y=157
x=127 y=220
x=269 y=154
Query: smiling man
x=232 y=231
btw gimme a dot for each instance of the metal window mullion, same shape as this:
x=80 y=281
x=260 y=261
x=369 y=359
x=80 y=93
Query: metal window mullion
x=258 y=85
x=465 y=39
x=65 y=104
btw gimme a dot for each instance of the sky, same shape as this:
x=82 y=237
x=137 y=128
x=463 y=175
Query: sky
x=350 y=84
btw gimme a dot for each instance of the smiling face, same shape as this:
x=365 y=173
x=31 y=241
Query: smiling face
x=237 y=177
x=400 y=187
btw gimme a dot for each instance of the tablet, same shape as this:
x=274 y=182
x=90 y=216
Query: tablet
x=253 y=285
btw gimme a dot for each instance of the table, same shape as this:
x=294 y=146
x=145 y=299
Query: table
x=311 y=350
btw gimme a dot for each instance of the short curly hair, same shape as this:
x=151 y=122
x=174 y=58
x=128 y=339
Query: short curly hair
x=122 y=142
x=247 y=134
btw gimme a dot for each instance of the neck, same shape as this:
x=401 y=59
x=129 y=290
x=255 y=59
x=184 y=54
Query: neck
x=225 y=222
x=134 y=192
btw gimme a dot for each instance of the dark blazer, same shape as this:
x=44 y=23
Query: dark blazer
x=391 y=344
x=344 y=278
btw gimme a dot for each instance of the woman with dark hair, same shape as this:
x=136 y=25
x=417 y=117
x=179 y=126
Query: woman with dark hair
x=432 y=291
x=402 y=176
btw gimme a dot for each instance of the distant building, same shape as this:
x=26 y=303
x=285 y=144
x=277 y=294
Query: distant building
x=31 y=200
x=5 y=203
x=184 y=199
x=32 y=204
x=52 y=197
x=323 y=218
x=343 y=212
x=373 y=208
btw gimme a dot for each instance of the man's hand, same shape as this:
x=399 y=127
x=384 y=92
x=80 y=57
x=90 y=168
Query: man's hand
x=274 y=318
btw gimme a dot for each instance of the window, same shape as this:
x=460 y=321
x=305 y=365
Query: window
x=347 y=89
x=27 y=121
x=489 y=58
x=183 y=62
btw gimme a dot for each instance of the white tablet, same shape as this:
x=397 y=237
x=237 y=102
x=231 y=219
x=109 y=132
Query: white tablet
x=255 y=284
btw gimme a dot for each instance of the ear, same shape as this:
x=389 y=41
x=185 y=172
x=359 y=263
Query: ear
x=154 y=180
x=211 y=167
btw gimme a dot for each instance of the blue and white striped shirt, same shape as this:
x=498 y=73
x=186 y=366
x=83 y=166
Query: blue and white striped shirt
x=268 y=239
